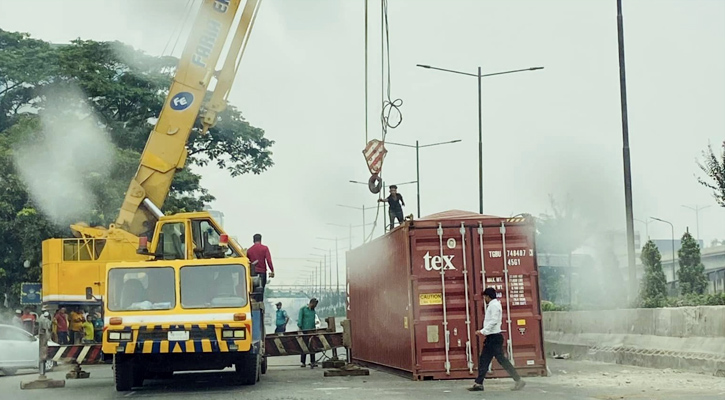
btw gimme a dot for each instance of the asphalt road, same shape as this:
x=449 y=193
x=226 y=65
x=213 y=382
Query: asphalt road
x=285 y=380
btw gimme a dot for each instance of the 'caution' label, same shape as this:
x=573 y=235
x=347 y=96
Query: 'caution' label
x=429 y=299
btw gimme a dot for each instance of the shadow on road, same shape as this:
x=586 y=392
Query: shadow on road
x=192 y=381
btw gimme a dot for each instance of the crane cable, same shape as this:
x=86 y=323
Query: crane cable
x=389 y=106
x=180 y=27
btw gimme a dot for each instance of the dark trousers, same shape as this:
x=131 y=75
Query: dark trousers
x=63 y=338
x=303 y=358
x=262 y=276
x=493 y=347
x=280 y=328
x=393 y=214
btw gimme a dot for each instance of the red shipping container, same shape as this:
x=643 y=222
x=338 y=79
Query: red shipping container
x=415 y=296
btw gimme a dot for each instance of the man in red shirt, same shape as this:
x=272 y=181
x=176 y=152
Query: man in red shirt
x=260 y=253
x=61 y=320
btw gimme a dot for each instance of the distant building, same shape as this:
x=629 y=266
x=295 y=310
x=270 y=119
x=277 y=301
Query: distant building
x=665 y=245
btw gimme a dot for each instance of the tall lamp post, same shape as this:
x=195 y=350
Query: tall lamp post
x=646 y=226
x=363 y=208
x=697 y=209
x=417 y=148
x=337 y=259
x=337 y=267
x=349 y=226
x=673 y=247
x=323 y=269
x=480 y=125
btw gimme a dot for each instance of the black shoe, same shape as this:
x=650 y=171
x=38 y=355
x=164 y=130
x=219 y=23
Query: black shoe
x=476 y=388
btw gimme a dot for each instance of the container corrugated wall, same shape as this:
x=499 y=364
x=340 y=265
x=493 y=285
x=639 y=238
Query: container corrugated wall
x=378 y=301
x=426 y=321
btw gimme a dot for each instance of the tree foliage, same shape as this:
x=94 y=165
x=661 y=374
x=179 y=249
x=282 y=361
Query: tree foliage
x=714 y=167
x=125 y=90
x=691 y=274
x=654 y=285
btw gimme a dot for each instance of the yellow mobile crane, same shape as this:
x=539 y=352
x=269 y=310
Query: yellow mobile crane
x=177 y=294
x=72 y=264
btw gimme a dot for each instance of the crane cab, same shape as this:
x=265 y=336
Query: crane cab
x=188 y=236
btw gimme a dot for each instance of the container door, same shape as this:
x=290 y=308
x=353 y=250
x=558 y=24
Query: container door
x=443 y=302
x=509 y=266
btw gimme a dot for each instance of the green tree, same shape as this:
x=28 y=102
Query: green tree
x=714 y=167
x=654 y=285
x=691 y=274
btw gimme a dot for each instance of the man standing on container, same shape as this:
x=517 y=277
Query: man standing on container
x=394 y=200
x=306 y=321
x=260 y=253
x=281 y=320
x=493 y=344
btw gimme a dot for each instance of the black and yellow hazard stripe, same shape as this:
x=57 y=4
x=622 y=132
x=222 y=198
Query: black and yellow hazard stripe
x=203 y=338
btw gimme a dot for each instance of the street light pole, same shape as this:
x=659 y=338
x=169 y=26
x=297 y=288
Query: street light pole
x=673 y=247
x=697 y=209
x=417 y=148
x=363 y=208
x=337 y=259
x=646 y=226
x=417 y=176
x=480 y=118
x=480 y=146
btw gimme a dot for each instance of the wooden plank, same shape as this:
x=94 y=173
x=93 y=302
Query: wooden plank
x=345 y=372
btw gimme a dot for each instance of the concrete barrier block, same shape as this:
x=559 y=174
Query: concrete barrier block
x=711 y=321
x=663 y=322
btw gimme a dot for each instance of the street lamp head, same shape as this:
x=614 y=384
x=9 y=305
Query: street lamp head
x=422 y=66
x=535 y=68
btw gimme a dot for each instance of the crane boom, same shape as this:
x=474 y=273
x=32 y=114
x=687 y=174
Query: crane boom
x=165 y=151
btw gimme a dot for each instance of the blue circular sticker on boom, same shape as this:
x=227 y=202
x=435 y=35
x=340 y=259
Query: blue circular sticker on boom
x=181 y=101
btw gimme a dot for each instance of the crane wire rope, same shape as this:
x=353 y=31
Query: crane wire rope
x=188 y=14
x=179 y=26
x=366 y=72
x=389 y=106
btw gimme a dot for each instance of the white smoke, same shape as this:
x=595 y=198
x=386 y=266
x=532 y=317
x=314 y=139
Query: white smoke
x=57 y=162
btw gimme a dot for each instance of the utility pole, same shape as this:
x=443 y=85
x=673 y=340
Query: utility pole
x=626 y=158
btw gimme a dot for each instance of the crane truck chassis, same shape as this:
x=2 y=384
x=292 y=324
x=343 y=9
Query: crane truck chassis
x=173 y=314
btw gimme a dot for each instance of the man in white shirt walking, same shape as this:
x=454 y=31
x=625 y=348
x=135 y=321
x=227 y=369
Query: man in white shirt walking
x=493 y=344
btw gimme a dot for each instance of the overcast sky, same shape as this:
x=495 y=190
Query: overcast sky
x=552 y=131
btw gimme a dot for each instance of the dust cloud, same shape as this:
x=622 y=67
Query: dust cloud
x=588 y=191
x=61 y=160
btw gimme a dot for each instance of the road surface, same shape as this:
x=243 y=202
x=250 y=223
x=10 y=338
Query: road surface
x=285 y=380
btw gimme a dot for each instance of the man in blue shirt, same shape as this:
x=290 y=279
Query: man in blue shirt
x=282 y=319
